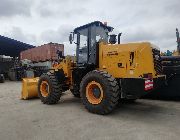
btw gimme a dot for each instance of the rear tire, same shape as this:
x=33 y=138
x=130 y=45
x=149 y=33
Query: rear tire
x=49 y=89
x=75 y=93
x=106 y=85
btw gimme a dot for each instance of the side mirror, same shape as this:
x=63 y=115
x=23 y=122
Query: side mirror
x=71 y=38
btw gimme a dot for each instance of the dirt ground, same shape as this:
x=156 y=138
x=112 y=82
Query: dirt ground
x=69 y=120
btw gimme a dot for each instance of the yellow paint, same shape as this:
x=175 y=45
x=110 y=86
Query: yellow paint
x=44 y=88
x=66 y=65
x=112 y=55
x=90 y=95
x=29 y=88
x=176 y=53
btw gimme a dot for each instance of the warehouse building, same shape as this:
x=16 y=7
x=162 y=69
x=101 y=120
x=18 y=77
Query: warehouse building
x=11 y=48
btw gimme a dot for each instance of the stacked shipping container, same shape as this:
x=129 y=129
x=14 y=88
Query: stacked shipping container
x=45 y=52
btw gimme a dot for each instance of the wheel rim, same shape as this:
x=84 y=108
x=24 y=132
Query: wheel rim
x=44 y=88
x=94 y=93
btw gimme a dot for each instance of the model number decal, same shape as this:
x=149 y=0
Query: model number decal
x=112 y=53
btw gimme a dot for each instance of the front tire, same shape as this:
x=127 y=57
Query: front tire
x=99 y=92
x=49 y=89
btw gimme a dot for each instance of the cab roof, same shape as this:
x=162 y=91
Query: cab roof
x=96 y=23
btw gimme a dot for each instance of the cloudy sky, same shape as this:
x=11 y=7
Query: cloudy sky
x=41 y=21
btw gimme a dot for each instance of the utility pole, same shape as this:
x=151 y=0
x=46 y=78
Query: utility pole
x=178 y=40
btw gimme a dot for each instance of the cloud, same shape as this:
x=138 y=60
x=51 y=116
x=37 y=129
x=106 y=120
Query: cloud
x=63 y=9
x=153 y=21
x=9 y=8
x=51 y=21
x=60 y=35
x=17 y=34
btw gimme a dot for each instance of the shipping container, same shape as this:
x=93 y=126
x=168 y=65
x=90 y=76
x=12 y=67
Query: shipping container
x=44 y=52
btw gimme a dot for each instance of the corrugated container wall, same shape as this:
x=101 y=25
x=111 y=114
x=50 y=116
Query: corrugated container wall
x=43 y=53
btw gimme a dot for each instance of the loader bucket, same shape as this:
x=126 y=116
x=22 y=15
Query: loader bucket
x=29 y=88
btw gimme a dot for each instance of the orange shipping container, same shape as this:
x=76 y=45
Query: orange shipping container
x=43 y=53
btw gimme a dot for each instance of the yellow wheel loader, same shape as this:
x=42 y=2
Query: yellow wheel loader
x=104 y=71
x=171 y=68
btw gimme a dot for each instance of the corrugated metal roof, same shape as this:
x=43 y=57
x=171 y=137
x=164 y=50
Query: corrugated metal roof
x=11 y=47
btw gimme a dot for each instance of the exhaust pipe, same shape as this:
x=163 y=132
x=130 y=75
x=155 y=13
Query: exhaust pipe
x=119 y=38
x=178 y=40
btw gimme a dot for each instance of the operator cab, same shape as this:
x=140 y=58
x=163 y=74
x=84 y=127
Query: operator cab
x=88 y=37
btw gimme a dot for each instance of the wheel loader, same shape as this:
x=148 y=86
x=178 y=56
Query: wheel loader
x=171 y=68
x=104 y=71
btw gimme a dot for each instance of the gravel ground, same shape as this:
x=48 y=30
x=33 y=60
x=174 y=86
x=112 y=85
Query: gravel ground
x=68 y=120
